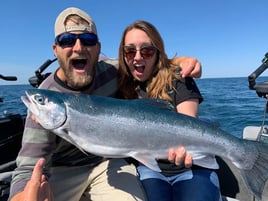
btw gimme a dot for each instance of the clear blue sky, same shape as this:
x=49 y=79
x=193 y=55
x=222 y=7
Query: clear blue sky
x=229 y=37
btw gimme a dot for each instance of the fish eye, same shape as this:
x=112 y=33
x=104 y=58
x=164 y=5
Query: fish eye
x=40 y=99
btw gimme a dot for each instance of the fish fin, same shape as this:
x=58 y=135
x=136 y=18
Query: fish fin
x=205 y=160
x=256 y=177
x=147 y=160
x=63 y=133
x=78 y=147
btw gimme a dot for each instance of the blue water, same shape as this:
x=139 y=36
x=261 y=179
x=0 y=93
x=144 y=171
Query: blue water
x=12 y=102
x=227 y=101
x=230 y=102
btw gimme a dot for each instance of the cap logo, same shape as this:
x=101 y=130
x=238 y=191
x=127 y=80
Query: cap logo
x=79 y=28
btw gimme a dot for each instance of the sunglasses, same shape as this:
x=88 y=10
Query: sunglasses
x=146 y=52
x=69 y=39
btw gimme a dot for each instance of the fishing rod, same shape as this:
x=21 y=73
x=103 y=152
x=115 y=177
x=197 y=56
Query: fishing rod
x=8 y=78
x=261 y=88
x=262 y=91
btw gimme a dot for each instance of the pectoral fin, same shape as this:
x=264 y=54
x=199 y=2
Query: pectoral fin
x=67 y=136
x=147 y=160
x=205 y=160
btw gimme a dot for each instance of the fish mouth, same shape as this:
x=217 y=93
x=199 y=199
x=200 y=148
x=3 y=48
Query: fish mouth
x=30 y=104
x=48 y=113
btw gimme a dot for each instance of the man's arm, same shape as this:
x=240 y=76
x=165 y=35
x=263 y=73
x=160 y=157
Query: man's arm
x=190 y=66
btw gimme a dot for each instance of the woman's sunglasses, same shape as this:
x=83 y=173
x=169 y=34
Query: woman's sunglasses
x=146 y=52
x=69 y=39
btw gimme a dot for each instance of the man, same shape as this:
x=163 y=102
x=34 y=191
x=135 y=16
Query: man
x=72 y=174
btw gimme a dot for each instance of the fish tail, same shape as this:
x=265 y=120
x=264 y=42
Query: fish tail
x=256 y=177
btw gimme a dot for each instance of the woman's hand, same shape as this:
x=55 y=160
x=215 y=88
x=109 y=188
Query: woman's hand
x=180 y=157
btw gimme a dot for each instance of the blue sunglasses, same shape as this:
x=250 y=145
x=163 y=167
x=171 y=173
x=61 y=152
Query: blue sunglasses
x=69 y=39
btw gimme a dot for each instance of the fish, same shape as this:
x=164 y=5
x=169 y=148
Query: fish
x=144 y=129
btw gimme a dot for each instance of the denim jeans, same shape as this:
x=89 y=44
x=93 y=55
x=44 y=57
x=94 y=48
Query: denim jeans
x=191 y=185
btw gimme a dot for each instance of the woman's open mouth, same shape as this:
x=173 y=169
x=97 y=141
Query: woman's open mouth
x=139 y=68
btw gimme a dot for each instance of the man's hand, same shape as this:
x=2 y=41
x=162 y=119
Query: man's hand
x=180 y=157
x=34 y=119
x=190 y=67
x=37 y=189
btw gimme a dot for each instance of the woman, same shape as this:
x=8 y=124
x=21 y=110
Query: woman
x=146 y=71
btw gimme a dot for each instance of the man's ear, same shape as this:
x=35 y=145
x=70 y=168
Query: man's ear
x=54 y=47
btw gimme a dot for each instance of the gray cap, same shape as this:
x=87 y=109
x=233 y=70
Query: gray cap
x=60 y=22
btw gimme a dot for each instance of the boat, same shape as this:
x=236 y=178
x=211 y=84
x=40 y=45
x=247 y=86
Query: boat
x=11 y=127
x=232 y=186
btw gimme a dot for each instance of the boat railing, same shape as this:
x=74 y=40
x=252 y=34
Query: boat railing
x=259 y=133
x=39 y=77
x=262 y=87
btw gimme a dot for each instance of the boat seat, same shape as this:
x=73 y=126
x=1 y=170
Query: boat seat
x=252 y=132
x=232 y=185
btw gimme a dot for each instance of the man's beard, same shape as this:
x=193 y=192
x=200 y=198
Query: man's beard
x=78 y=81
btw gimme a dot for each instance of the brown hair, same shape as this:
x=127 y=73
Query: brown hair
x=164 y=72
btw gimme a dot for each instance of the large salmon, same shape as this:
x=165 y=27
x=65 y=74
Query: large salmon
x=144 y=129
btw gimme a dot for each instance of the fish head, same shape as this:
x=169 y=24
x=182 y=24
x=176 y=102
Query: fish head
x=48 y=107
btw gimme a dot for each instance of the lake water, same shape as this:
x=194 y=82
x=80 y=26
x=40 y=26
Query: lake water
x=227 y=101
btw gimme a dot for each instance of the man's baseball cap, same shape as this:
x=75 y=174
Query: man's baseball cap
x=60 y=22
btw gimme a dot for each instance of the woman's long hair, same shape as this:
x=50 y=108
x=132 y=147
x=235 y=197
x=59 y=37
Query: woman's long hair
x=163 y=73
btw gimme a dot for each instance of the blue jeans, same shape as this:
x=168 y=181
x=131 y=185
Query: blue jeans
x=191 y=185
